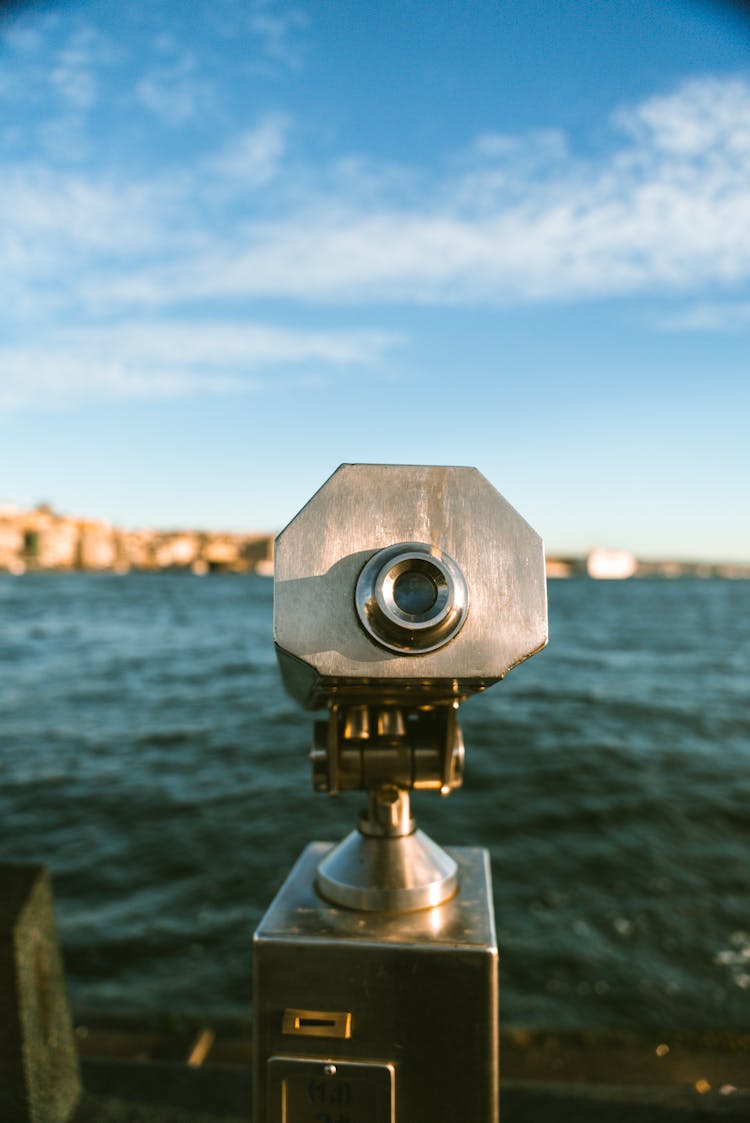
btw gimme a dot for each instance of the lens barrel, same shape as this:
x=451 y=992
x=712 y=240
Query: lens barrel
x=411 y=598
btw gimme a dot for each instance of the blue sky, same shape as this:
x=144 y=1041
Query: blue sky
x=244 y=241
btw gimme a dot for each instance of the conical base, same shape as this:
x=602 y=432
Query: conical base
x=400 y=874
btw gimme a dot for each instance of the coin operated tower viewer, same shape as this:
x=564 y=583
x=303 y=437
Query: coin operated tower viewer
x=399 y=591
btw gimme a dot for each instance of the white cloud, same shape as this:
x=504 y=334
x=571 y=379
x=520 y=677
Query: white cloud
x=253 y=158
x=54 y=226
x=49 y=381
x=278 y=28
x=702 y=115
x=217 y=344
x=728 y=317
x=174 y=92
x=666 y=211
x=73 y=74
x=47 y=65
x=170 y=359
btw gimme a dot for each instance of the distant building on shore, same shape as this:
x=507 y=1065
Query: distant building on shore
x=41 y=539
x=611 y=564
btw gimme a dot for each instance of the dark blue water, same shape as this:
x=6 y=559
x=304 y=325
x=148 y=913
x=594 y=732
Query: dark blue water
x=150 y=758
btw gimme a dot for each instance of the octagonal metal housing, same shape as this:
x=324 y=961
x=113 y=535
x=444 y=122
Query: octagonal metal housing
x=323 y=648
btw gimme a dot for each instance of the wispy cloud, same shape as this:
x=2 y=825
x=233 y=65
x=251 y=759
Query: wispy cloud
x=174 y=92
x=217 y=344
x=731 y=316
x=52 y=381
x=55 y=70
x=171 y=359
x=279 y=29
x=106 y=251
x=667 y=209
x=253 y=158
x=704 y=115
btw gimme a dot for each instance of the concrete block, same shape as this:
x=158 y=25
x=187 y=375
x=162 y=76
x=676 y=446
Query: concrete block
x=39 y=1071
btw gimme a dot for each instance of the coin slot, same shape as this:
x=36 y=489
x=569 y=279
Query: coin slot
x=317 y=1023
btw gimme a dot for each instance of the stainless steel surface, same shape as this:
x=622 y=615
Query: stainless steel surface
x=423 y=753
x=323 y=648
x=421 y=989
x=466 y=921
x=391 y=723
x=411 y=598
x=388 y=813
x=357 y=724
x=395 y=875
x=387 y=864
x=305 y=1090
x=399 y=591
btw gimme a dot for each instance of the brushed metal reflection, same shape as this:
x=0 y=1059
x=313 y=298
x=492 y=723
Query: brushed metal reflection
x=391 y=874
x=311 y=1090
x=422 y=989
x=364 y=508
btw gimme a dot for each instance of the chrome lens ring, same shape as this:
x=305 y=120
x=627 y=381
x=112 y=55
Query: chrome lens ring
x=411 y=598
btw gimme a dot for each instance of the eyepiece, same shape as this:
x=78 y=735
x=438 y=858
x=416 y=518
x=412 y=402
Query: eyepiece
x=414 y=592
x=411 y=598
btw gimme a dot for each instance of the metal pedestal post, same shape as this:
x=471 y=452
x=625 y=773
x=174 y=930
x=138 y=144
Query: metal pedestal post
x=371 y=1017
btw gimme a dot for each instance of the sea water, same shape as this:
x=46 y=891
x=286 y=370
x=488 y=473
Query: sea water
x=151 y=759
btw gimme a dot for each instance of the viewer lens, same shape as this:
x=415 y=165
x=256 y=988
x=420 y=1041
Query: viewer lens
x=414 y=592
x=411 y=598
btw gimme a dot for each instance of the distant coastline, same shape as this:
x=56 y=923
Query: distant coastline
x=619 y=564
x=42 y=539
